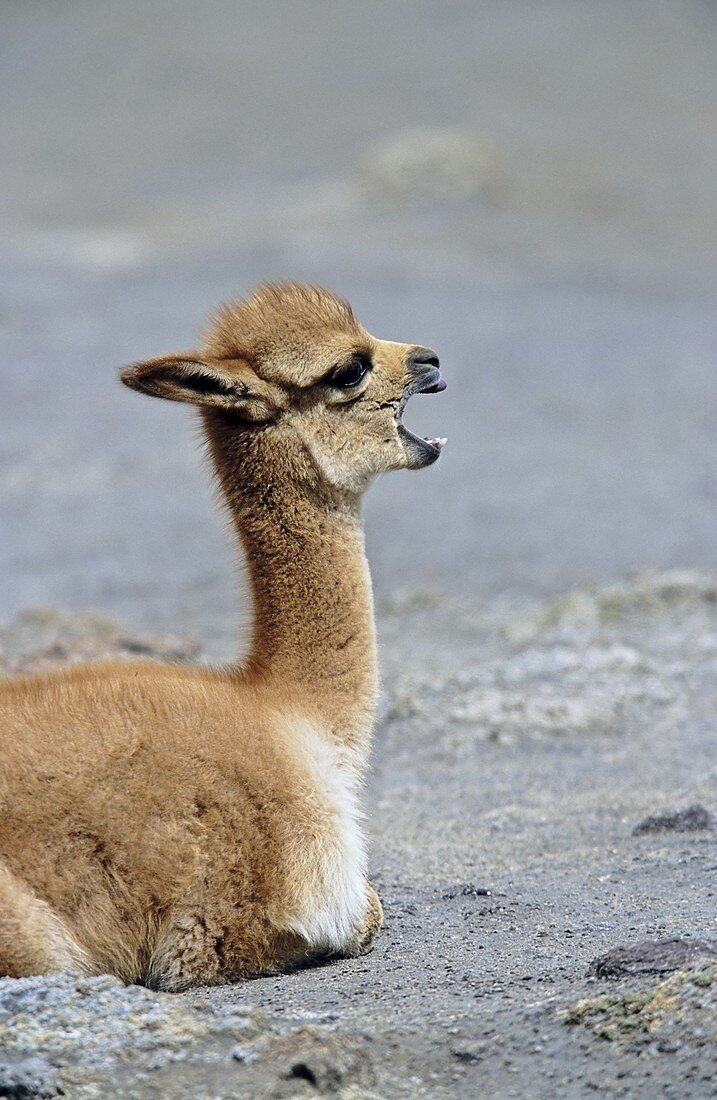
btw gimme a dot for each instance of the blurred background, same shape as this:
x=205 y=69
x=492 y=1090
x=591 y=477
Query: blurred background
x=526 y=185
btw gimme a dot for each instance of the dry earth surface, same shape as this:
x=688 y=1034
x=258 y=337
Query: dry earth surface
x=542 y=795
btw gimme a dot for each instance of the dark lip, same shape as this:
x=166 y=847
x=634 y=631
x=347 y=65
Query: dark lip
x=433 y=387
x=429 y=382
x=422 y=443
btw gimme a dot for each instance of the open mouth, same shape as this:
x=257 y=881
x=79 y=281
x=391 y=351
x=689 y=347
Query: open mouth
x=426 y=448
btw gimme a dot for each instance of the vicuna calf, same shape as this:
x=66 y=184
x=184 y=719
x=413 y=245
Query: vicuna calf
x=180 y=827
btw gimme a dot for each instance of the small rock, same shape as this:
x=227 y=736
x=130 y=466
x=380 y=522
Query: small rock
x=246 y=1054
x=652 y=957
x=467 y=890
x=468 y=1052
x=328 y=1062
x=686 y=820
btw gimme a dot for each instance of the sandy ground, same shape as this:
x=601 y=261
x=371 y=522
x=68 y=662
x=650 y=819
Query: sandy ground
x=529 y=187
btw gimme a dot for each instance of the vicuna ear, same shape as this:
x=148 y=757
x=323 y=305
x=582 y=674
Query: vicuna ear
x=182 y=378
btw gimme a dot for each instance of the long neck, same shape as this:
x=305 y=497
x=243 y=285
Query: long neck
x=313 y=634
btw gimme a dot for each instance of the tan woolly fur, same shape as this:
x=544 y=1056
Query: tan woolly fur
x=182 y=826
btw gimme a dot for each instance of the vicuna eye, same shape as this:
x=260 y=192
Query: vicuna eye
x=349 y=374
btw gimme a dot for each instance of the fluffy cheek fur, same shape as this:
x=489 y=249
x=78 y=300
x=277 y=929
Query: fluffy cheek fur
x=350 y=461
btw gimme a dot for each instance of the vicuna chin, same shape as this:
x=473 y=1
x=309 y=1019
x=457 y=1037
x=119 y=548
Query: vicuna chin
x=180 y=827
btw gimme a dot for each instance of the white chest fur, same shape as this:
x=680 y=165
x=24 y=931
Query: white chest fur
x=325 y=850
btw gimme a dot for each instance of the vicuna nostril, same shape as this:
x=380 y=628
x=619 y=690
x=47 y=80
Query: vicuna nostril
x=423 y=357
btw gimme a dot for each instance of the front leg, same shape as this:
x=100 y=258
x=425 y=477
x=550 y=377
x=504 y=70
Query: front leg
x=366 y=931
x=188 y=953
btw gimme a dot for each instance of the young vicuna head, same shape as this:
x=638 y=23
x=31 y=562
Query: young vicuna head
x=292 y=367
